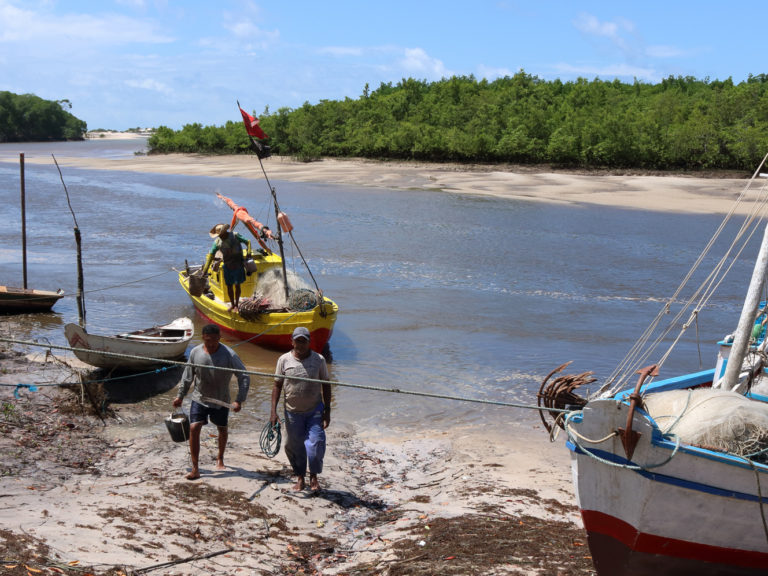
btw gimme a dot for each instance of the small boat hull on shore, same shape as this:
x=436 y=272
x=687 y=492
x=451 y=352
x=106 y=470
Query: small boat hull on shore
x=133 y=350
x=23 y=300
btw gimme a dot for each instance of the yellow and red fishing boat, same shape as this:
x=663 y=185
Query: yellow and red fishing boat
x=270 y=308
x=272 y=303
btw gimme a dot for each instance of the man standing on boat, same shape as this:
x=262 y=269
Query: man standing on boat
x=210 y=397
x=307 y=407
x=229 y=244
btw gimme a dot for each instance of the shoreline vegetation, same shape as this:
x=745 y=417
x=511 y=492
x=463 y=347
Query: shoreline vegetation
x=678 y=123
x=675 y=124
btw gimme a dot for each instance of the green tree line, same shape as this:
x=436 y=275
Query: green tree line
x=26 y=117
x=678 y=123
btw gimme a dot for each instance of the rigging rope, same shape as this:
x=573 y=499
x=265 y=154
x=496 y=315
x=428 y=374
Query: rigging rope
x=272 y=375
x=123 y=284
x=653 y=337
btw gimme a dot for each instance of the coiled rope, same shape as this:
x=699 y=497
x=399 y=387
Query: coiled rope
x=270 y=439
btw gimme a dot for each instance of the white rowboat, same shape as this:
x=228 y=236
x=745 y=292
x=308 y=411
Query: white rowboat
x=132 y=350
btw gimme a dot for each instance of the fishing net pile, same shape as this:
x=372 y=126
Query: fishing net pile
x=271 y=292
x=250 y=308
x=715 y=419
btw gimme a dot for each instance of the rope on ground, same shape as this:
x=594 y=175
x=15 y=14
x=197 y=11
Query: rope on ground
x=272 y=375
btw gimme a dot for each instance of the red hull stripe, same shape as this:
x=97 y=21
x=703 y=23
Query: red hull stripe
x=628 y=536
x=319 y=338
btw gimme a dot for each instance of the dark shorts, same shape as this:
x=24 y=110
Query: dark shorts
x=233 y=277
x=200 y=413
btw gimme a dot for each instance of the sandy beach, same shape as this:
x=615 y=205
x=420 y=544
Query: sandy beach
x=87 y=492
x=83 y=490
x=665 y=193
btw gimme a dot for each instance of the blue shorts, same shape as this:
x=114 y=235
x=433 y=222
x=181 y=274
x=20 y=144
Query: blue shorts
x=200 y=413
x=234 y=277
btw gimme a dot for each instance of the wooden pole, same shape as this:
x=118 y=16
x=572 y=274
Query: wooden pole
x=23 y=222
x=80 y=288
x=749 y=312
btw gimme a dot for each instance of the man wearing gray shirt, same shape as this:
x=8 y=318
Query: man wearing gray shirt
x=210 y=396
x=307 y=407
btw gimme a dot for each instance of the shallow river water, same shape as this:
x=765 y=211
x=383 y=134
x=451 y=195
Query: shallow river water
x=445 y=293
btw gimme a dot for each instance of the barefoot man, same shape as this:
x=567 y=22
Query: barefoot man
x=307 y=408
x=229 y=243
x=210 y=397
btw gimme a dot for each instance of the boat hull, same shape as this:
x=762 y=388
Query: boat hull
x=270 y=329
x=22 y=300
x=670 y=509
x=618 y=548
x=136 y=350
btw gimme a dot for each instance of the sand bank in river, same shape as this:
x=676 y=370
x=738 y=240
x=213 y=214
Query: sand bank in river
x=671 y=193
x=99 y=493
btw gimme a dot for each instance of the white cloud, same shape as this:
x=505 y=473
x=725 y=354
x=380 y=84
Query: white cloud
x=243 y=25
x=341 y=51
x=590 y=25
x=664 y=52
x=150 y=85
x=609 y=71
x=27 y=26
x=417 y=61
x=621 y=32
x=623 y=39
x=491 y=73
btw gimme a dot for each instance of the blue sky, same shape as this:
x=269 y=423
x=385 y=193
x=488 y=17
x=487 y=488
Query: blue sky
x=146 y=63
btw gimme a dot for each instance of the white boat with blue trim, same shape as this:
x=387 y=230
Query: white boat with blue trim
x=671 y=475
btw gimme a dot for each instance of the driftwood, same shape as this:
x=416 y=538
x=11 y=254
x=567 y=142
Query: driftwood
x=180 y=561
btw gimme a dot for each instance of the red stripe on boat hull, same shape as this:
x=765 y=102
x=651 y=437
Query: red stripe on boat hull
x=318 y=337
x=618 y=549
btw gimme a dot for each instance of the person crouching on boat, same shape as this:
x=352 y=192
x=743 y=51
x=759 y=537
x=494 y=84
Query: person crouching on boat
x=229 y=243
x=210 y=397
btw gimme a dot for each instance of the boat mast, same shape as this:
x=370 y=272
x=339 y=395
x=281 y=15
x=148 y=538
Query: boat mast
x=277 y=222
x=730 y=380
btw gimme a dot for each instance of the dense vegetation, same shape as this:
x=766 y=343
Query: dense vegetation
x=679 y=123
x=26 y=117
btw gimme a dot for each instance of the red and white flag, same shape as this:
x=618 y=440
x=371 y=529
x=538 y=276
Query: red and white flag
x=252 y=126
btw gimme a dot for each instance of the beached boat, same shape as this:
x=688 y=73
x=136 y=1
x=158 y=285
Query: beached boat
x=25 y=299
x=132 y=350
x=268 y=312
x=20 y=300
x=273 y=302
x=671 y=475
